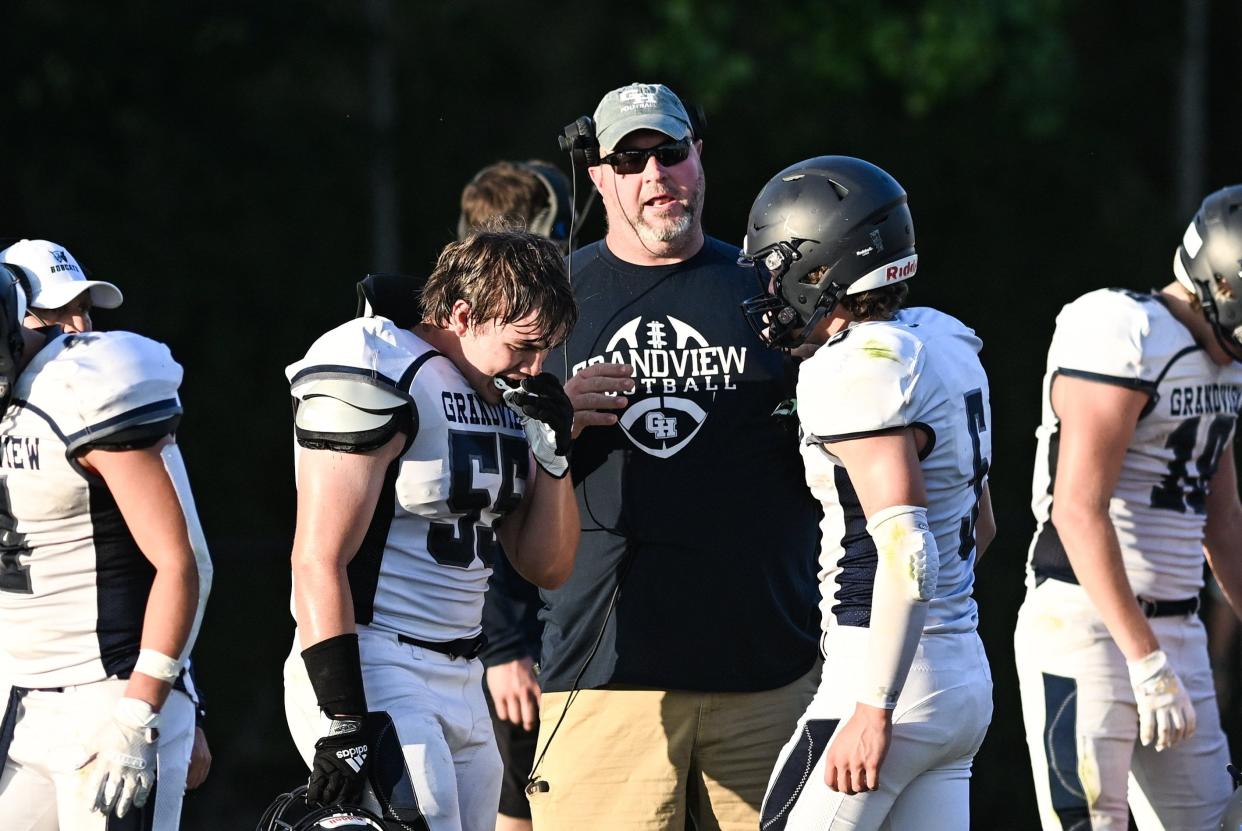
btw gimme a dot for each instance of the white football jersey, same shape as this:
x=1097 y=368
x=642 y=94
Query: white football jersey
x=424 y=564
x=73 y=583
x=1159 y=506
x=920 y=369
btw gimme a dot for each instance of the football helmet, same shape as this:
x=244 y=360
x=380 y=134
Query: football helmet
x=12 y=313
x=289 y=812
x=1208 y=264
x=831 y=211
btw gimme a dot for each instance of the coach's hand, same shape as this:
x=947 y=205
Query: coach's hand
x=547 y=416
x=857 y=749
x=596 y=389
x=124 y=758
x=1166 y=714
x=339 y=768
x=515 y=692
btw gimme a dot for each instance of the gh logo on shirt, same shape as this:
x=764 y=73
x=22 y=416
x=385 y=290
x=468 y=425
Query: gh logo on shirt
x=677 y=376
x=661 y=426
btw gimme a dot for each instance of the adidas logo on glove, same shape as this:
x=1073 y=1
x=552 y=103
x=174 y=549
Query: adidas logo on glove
x=355 y=757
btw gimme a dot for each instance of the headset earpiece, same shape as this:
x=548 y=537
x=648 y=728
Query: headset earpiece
x=578 y=140
x=555 y=220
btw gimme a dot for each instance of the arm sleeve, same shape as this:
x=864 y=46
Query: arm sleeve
x=905 y=581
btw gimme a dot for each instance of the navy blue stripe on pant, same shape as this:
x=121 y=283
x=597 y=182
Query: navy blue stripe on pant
x=795 y=773
x=1069 y=798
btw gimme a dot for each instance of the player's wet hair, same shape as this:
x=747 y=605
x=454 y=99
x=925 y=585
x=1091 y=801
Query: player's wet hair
x=875 y=304
x=504 y=275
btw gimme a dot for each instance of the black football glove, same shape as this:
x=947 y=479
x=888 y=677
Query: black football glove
x=547 y=416
x=339 y=769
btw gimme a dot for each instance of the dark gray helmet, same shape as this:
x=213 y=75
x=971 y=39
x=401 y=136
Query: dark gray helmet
x=834 y=211
x=1208 y=263
x=12 y=313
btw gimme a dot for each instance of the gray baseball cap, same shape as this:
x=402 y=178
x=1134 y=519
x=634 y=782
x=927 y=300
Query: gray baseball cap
x=640 y=107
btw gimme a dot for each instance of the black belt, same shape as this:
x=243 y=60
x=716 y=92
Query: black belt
x=460 y=648
x=1168 y=608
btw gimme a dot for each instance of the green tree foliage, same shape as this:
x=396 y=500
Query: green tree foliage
x=933 y=52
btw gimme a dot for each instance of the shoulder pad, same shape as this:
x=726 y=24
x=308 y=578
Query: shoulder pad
x=1108 y=334
x=348 y=415
x=860 y=383
x=351 y=390
x=104 y=387
x=929 y=323
x=373 y=350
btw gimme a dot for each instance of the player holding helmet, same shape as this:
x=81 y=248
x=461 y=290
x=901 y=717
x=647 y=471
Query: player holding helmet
x=894 y=413
x=1134 y=483
x=412 y=465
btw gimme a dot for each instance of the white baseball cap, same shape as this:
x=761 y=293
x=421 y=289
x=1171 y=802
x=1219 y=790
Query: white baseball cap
x=55 y=276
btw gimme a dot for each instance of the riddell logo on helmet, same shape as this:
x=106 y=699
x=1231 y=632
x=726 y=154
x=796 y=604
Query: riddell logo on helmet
x=901 y=270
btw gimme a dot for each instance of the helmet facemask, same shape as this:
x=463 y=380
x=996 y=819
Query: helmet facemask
x=1208 y=264
x=1211 y=298
x=772 y=315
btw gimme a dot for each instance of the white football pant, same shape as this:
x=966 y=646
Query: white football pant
x=1082 y=723
x=436 y=704
x=40 y=789
x=939 y=723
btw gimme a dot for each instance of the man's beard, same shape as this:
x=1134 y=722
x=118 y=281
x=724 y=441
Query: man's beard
x=671 y=230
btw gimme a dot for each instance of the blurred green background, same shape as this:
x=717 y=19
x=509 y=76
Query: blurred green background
x=235 y=167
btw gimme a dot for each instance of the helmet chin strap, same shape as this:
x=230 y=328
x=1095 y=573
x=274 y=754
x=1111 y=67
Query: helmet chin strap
x=828 y=302
x=1231 y=346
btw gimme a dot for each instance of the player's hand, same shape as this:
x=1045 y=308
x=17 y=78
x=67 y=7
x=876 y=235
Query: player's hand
x=547 y=416
x=200 y=761
x=124 y=758
x=515 y=692
x=596 y=389
x=1166 y=714
x=339 y=767
x=852 y=763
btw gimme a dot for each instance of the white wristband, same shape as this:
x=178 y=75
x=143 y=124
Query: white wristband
x=157 y=665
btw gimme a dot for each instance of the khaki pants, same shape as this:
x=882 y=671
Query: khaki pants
x=640 y=759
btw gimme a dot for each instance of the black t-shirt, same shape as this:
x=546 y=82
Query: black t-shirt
x=697 y=495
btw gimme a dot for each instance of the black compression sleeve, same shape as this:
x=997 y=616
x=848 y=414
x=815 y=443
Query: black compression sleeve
x=335 y=671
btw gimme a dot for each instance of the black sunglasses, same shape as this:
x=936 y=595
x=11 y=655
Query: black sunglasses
x=633 y=161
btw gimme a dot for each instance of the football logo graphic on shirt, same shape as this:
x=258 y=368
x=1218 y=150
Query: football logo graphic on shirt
x=677 y=376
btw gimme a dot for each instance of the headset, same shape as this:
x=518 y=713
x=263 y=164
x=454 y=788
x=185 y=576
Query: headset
x=556 y=219
x=579 y=141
